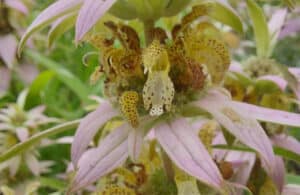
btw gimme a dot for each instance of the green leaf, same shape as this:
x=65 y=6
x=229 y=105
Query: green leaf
x=65 y=76
x=37 y=86
x=226 y=15
x=266 y=86
x=286 y=154
x=53 y=183
x=59 y=28
x=260 y=27
x=23 y=146
x=293 y=179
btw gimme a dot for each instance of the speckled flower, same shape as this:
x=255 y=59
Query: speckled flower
x=160 y=87
x=17 y=125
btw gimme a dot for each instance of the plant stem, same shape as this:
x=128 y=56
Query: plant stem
x=23 y=146
x=148 y=26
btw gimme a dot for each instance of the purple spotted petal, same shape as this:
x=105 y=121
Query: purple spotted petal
x=89 y=14
x=18 y=5
x=48 y=16
x=111 y=153
x=135 y=141
x=5 y=75
x=88 y=128
x=279 y=81
x=287 y=142
x=8 y=49
x=269 y=115
x=185 y=149
x=244 y=127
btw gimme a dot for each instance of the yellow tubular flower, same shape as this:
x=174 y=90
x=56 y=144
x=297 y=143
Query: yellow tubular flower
x=158 y=91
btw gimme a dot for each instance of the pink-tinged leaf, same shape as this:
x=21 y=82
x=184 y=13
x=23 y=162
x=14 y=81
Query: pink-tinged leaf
x=60 y=26
x=236 y=67
x=269 y=115
x=14 y=165
x=88 y=128
x=5 y=75
x=217 y=153
x=22 y=133
x=243 y=171
x=27 y=72
x=111 y=153
x=291 y=189
x=48 y=16
x=36 y=111
x=276 y=23
x=185 y=149
x=242 y=125
x=33 y=164
x=279 y=81
x=8 y=49
x=291 y=27
x=17 y=5
x=287 y=142
x=135 y=142
x=278 y=176
x=89 y=14
x=296 y=73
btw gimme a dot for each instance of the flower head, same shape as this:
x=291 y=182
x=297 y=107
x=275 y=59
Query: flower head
x=195 y=50
x=17 y=125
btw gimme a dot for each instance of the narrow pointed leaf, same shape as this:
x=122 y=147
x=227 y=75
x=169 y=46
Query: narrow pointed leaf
x=22 y=147
x=64 y=75
x=184 y=148
x=111 y=153
x=226 y=15
x=260 y=28
x=5 y=75
x=88 y=128
x=8 y=49
x=48 y=16
x=18 y=5
x=269 y=115
x=244 y=127
x=89 y=14
x=60 y=26
x=275 y=25
x=287 y=142
x=243 y=172
x=135 y=141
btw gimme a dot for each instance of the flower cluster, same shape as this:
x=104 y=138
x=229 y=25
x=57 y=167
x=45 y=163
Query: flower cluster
x=16 y=126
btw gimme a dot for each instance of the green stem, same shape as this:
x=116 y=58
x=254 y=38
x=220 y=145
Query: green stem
x=23 y=146
x=148 y=26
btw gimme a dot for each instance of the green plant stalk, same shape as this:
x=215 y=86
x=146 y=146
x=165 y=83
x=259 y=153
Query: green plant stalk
x=21 y=147
x=65 y=76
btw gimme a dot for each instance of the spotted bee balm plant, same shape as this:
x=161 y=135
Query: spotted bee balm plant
x=158 y=84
